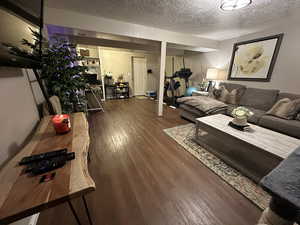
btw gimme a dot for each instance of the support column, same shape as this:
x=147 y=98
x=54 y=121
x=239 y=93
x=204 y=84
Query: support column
x=163 y=53
x=100 y=56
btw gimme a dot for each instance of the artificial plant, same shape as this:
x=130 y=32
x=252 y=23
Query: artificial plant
x=60 y=70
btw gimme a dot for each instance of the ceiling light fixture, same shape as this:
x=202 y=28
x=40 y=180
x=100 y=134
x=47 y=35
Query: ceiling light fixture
x=229 y=5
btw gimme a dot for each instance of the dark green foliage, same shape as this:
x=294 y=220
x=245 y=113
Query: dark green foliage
x=59 y=69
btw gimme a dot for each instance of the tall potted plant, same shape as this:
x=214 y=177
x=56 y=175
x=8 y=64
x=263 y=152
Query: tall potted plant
x=60 y=71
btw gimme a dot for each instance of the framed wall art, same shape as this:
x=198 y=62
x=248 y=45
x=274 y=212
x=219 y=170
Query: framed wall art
x=254 y=60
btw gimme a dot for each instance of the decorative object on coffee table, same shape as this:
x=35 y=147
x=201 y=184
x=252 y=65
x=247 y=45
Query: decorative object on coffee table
x=240 y=116
x=254 y=60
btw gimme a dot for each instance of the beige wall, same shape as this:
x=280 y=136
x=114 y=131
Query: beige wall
x=286 y=74
x=178 y=64
x=18 y=114
x=192 y=62
x=120 y=62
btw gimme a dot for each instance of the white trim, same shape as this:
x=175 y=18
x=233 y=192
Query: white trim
x=101 y=57
x=30 y=220
x=34 y=219
x=134 y=74
x=163 y=53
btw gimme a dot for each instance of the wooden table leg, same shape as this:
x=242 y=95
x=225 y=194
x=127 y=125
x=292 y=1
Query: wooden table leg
x=86 y=210
x=74 y=213
x=197 y=130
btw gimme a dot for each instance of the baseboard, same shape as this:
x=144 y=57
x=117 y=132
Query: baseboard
x=31 y=220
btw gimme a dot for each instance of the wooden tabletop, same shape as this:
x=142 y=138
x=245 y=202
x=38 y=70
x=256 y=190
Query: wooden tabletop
x=266 y=139
x=23 y=195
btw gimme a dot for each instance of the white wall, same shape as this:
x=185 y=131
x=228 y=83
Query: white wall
x=286 y=73
x=18 y=114
x=153 y=63
x=192 y=62
x=178 y=64
x=18 y=117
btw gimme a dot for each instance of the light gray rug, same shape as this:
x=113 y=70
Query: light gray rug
x=184 y=135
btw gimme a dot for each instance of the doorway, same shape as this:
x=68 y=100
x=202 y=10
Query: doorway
x=139 y=67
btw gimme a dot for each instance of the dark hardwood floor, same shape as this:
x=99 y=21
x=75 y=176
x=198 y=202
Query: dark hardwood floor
x=143 y=177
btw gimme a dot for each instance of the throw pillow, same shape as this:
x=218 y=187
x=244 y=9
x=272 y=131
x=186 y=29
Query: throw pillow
x=223 y=94
x=285 y=108
x=216 y=93
x=232 y=97
x=228 y=97
x=298 y=117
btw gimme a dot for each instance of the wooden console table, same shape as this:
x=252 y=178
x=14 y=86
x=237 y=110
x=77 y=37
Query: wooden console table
x=23 y=195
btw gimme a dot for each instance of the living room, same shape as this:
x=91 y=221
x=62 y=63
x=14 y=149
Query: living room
x=226 y=151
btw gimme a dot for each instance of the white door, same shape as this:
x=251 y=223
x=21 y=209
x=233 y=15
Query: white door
x=139 y=75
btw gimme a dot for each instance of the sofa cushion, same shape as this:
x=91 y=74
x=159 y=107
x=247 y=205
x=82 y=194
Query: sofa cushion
x=298 y=117
x=238 y=87
x=230 y=108
x=257 y=114
x=289 y=127
x=262 y=99
x=291 y=96
x=285 y=108
x=228 y=97
x=232 y=86
x=192 y=110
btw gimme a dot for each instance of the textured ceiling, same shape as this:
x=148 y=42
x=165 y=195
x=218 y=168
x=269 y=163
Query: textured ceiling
x=197 y=17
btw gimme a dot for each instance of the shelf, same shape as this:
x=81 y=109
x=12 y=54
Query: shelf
x=86 y=58
x=93 y=66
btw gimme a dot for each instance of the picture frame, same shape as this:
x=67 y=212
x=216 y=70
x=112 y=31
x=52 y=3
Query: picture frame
x=84 y=52
x=254 y=60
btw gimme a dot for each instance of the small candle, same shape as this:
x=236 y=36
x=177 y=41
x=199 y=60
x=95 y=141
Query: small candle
x=61 y=123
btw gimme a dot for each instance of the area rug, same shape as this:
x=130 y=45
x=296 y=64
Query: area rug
x=184 y=136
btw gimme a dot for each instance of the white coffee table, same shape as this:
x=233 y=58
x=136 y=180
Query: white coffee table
x=253 y=153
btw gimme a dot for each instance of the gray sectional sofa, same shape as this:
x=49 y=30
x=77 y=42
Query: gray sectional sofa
x=259 y=101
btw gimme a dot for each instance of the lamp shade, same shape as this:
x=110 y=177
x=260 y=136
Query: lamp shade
x=222 y=75
x=212 y=74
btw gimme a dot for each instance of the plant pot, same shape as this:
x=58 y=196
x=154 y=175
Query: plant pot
x=240 y=121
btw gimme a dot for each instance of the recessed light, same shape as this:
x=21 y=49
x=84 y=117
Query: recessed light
x=229 y=5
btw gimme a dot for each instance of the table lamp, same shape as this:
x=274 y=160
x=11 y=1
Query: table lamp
x=222 y=75
x=211 y=75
